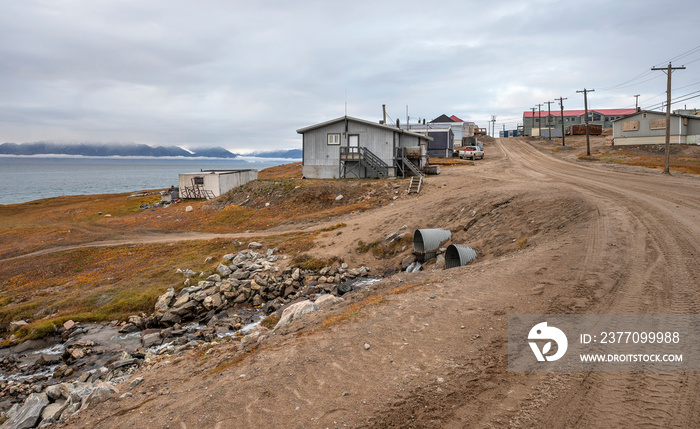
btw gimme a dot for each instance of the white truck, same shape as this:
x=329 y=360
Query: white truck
x=471 y=152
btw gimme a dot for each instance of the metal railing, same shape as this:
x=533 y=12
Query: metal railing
x=365 y=157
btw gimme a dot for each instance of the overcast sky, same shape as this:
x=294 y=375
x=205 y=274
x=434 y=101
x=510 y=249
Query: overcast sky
x=246 y=75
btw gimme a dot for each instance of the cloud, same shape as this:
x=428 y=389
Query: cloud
x=246 y=75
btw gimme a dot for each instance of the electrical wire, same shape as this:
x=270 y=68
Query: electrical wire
x=679 y=56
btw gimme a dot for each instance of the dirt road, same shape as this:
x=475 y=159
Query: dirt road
x=598 y=241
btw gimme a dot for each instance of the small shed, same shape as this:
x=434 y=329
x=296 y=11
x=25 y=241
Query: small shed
x=213 y=183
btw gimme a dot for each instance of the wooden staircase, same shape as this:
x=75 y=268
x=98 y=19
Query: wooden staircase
x=416 y=182
x=353 y=157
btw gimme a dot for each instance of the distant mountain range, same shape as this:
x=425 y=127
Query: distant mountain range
x=131 y=149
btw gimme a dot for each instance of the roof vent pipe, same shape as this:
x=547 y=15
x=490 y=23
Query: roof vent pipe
x=428 y=241
x=397 y=123
x=456 y=255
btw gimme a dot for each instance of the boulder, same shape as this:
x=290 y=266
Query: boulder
x=223 y=270
x=68 y=325
x=128 y=328
x=101 y=393
x=213 y=301
x=151 y=337
x=215 y=277
x=229 y=256
x=295 y=311
x=229 y=285
x=54 y=411
x=30 y=413
x=199 y=296
x=296 y=274
x=164 y=300
x=408 y=260
x=135 y=382
x=254 y=245
x=181 y=300
x=57 y=391
x=190 y=290
x=327 y=300
x=171 y=318
x=240 y=275
x=206 y=284
x=124 y=362
x=17 y=324
x=183 y=310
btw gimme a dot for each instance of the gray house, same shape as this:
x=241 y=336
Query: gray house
x=443 y=141
x=649 y=127
x=350 y=147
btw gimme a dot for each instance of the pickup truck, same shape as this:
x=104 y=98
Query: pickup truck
x=471 y=152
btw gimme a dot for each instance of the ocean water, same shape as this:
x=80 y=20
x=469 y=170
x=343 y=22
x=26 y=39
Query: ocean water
x=31 y=178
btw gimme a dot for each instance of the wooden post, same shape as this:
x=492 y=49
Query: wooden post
x=669 y=70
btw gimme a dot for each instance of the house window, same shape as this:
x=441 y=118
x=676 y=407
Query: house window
x=333 y=138
x=199 y=180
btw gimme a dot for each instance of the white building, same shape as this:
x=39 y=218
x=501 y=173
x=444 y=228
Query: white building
x=213 y=183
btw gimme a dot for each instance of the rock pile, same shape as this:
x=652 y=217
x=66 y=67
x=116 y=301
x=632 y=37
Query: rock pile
x=56 y=403
x=81 y=372
x=247 y=277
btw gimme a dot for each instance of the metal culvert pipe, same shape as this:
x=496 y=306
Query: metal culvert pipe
x=456 y=255
x=428 y=241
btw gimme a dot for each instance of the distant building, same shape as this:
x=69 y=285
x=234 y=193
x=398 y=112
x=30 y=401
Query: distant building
x=351 y=147
x=442 y=144
x=602 y=117
x=460 y=129
x=649 y=127
x=212 y=183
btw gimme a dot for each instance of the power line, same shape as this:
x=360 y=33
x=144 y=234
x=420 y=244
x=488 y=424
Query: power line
x=676 y=99
x=679 y=56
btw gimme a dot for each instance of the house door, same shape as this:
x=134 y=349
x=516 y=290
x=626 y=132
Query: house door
x=353 y=140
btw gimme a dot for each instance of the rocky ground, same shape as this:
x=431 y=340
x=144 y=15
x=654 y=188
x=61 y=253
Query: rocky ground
x=429 y=348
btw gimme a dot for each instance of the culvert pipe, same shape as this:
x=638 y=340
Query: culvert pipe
x=457 y=255
x=428 y=241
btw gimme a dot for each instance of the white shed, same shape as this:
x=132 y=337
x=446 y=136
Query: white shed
x=213 y=183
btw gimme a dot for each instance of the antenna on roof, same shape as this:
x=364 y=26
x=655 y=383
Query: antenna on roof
x=346 y=102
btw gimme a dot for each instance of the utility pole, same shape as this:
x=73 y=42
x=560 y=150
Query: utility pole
x=533 y=121
x=585 y=106
x=539 y=118
x=549 y=119
x=561 y=104
x=493 y=126
x=668 y=70
x=636 y=102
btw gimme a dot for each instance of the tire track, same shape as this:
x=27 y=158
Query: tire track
x=661 y=277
